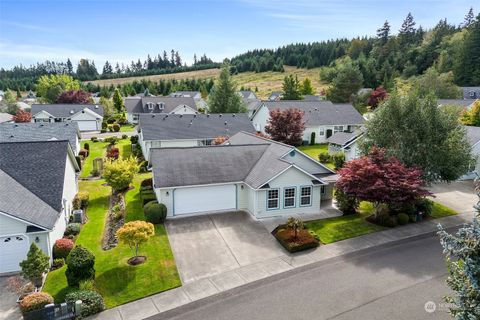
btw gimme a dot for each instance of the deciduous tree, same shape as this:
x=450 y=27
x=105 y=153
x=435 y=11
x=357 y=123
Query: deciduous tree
x=22 y=116
x=135 y=233
x=119 y=173
x=75 y=96
x=51 y=86
x=286 y=126
x=377 y=96
x=346 y=83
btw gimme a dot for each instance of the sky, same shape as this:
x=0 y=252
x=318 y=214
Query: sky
x=125 y=30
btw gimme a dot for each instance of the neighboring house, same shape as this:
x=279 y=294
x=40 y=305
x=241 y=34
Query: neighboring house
x=248 y=173
x=37 y=186
x=309 y=97
x=146 y=93
x=464 y=103
x=136 y=106
x=5 y=117
x=346 y=142
x=471 y=92
x=21 y=132
x=188 y=130
x=473 y=137
x=196 y=95
x=275 y=96
x=247 y=95
x=89 y=117
x=322 y=117
x=250 y=100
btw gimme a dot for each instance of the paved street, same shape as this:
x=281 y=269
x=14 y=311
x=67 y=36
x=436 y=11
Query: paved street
x=393 y=282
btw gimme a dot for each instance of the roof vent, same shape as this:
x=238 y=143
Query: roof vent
x=96 y=107
x=225 y=122
x=181 y=115
x=153 y=116
x=71 y=111
x=208 y=115
x=220 y=115
x=16 y=125
x=316 y=109
x=233 y=115
x=12 y=136
x=195 y=115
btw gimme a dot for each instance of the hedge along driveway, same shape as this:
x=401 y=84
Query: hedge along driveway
x=116 y=281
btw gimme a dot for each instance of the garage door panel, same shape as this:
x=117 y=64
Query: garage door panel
x=13 y=249
x=87 y=125
x=204 y=199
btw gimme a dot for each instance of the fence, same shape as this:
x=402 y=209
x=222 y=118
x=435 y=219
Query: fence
x=63 y=311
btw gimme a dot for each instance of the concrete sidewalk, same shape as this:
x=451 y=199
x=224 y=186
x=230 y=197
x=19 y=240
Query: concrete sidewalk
x=203 y=288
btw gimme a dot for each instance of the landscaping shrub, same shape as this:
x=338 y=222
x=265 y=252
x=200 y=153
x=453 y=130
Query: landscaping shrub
x=155 y=212
x=147 y=196
x=58 y=263
x=113 y=153
x=345 y=203
x=324 y=157
x=94 y=139
x=147 y=184
x=86 y=146
x=134 y=139
x=72 y=229
x=124 y=136
x=119 y=173
x=111 y=140
x=117 y=212
x=424 y=205
x=87 y=285
x=83 y=153
x=312 y=138
x=110 y=128
x=110 y=120
x=36 y=264
x=104 y=125
x=338 y=159
x=403 y=218
x=103 y=130
x=80 y=201
x=143 y=166
x=62 y=248
x=80 y=266
x=303 y=241
x=408 y=208
x=92 y=301
x=35 y=301
x=116 y=127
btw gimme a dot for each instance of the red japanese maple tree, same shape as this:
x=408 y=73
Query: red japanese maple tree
x=381 y=179
x=377 y=96
x=74 y=96
x=22 y=116
x=286 y=126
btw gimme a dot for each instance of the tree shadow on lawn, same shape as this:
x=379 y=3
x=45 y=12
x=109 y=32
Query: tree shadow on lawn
x=116 y=279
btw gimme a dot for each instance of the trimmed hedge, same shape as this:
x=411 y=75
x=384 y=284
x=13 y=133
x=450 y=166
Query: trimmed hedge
x=72 y=229
x=155 y=212
x=62 y=248
x=81 y=200
x=92 y=301
x=403 y=218
x=80 y=266
x=35 y=301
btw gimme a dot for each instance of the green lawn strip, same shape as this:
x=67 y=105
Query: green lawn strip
x=441 y=211
x=315 y=150
x=127 y=128
x=97 y=150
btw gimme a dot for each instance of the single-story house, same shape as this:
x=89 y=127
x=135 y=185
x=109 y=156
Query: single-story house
x=89 y=117
x=247 y=95
x=473 y=137
x=5 y=117
x=37 y=186
x=196 y=95
x=136 y=106
x=464 y=103
x=471 y=92
x=248 y=173
x=321 y=117
x=346 y=142
x=250 y=100
x=188 y=130
x=42 y=131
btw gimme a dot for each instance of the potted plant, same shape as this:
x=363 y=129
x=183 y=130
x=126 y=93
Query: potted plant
x=36 y=264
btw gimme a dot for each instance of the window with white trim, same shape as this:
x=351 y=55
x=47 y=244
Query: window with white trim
x=272 y=199
x=289 y=197
x=306 y=196
x=321 y=132
x=337 y=129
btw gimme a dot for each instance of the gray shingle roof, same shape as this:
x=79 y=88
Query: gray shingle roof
x=473 y=134
x=344 y=138
x=455 y=102
x=5 y=117
x=320 y=112
x=246 y=94
x=138 y=105
x=19 y=202
x=66 y=110
x=471 y=92
x=189 y=126
x=38 y=166
x=18 y=132
x=187 y=94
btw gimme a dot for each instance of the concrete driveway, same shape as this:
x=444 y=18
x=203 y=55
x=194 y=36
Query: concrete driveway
x=8 y=305
x=458 y=195
x=207 y=245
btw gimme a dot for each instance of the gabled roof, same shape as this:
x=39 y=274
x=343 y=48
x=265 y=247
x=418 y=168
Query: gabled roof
x=345 y=138
x=455 y=102
x=5 y=117
x=38 y=166
x=192 y=126
x=187 y=94
x=139 y=105
x=275 y=95
x=473 y=135
x=243 y=158
x=66 y=110
x=246 y=94
x=320 y=112
x=19 y=132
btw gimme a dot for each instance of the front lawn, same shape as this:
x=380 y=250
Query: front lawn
x=98 y=150
x=127 y=128
x=117 y=281
x=315 y=150
x=441 y=211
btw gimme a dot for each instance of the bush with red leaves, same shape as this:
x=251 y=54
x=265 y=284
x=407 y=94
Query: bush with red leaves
x=62 y=248
x=113 y=153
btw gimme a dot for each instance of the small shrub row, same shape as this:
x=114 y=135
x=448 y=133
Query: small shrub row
x=92 y=301
x=80 y=201
x=113 y=153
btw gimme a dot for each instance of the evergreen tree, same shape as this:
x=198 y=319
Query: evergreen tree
x=178 y=59
x=223 y=97
x=469 y=19
x=172 y=58
x=107 y=68
x=69 y=66
x=195 y=59
x=383 y=33
x=118 y=101
x=346 y=84
x=117 y=69
x=291 y=88
x=467 y=71
x=306 y=87
x=407 y=31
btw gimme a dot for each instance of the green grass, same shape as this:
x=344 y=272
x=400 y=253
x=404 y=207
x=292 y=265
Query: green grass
x=117 y=281
x=98 y=150
x=127 y=128
x=340 y=228
x=315 y=150
x=441 y=211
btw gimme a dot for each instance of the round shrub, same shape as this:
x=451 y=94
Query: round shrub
x=72 y=229
x=94 y=139
x=124 y=136
x=80 y=264
x=403 y=218
x=110 y=120
x=134 y=139
x=103 y=130
x=58 y=263
x=62 y=248
x=35 y=301
x=155 y=212
x=86 y=146
x=83 y=153
x=92 y=301
x=116 y=127
x=324 y=157
x=80 y=201
x=147 y=184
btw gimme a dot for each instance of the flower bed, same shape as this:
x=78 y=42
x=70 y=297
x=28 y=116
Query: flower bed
x=304 y=240
x=115 y=220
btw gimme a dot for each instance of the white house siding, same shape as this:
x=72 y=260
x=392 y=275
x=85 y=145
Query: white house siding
x=167 y=200
x=260 y=119
x=243 y=197
x=87 y=116
x=43 y=116
x=149 y=144
x=183 y=110
x=319 y=138
x=290 y=178
x=352 y=152
x=476 y=154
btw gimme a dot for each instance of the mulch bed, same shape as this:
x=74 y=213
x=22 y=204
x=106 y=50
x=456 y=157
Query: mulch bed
x=304 y=240
x=113 y=223
x=137 y=260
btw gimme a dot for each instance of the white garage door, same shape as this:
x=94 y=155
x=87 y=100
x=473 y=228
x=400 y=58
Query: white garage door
x=204 y=199
x=87 y=125
x=13 y=249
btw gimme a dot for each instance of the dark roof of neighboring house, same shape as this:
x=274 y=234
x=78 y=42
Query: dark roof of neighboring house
x=275 y=95
x=243 y=158
x=455 y=102
x=320 y=112
x=5 y=117
x=473 y=135
x=189 y=126
x=41 y=131
x=40 y=168
x=345 y=138
x=186 y=94
x=309 y=97
x=246 y=94
x=66 y=110
x=139 y=105
x=471 y=92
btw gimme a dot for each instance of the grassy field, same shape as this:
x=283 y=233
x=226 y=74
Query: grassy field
x=266 y=82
